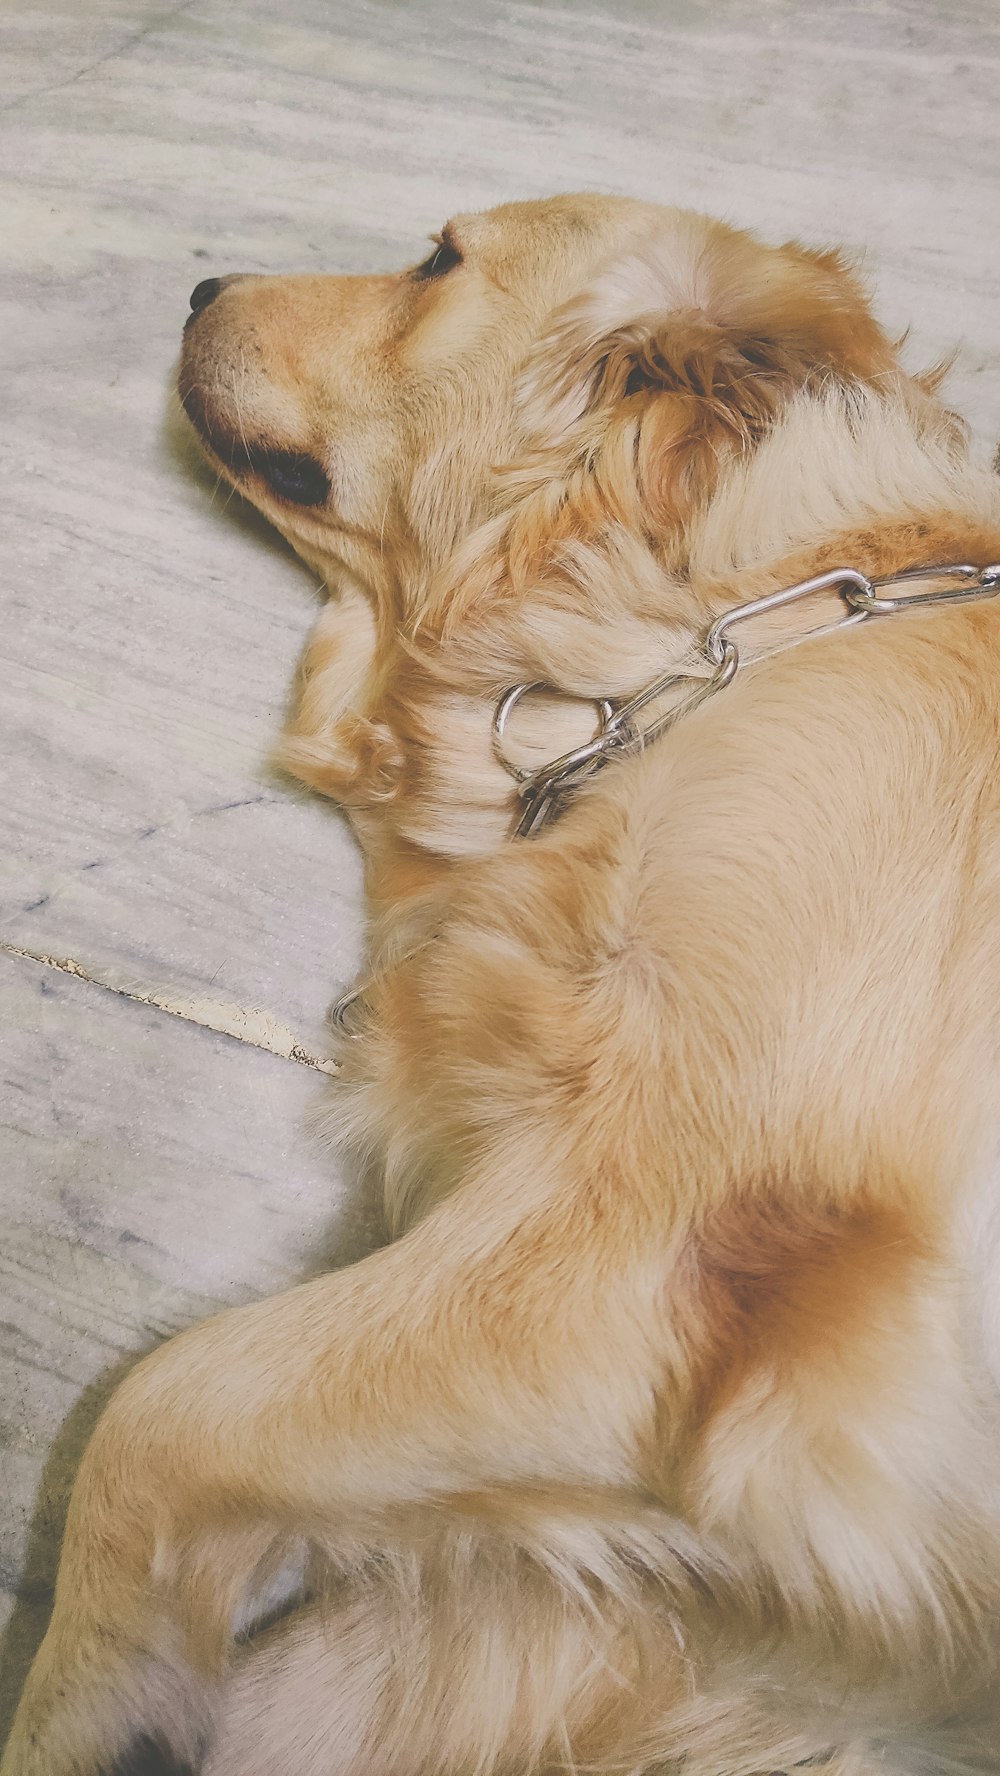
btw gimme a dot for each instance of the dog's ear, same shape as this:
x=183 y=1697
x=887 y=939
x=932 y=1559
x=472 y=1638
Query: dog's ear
x=684 y=351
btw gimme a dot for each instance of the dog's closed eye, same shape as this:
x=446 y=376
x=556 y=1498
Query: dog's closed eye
x=293 y=476
x=444 y=258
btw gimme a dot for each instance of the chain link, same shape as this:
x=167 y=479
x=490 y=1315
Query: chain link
x=619 y=734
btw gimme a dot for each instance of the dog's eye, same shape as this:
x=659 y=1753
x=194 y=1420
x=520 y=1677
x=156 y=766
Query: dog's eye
x=293 y=476
x=444 y=258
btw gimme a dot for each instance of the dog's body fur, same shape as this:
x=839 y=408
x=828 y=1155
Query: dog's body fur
x=667 y=1433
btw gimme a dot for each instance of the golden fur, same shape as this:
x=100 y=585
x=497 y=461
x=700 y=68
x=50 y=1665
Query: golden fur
x=665 y=1436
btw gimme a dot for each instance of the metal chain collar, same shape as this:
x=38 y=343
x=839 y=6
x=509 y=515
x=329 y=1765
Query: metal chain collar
x=544 y=791
x=619 y=734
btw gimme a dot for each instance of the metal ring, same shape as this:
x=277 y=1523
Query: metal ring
x=758 y=607
x=509 y=702
x=980 y=582
x=726 y=660
x=950 y=570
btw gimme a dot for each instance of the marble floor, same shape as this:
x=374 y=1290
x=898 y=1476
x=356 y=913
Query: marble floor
x=174 y=919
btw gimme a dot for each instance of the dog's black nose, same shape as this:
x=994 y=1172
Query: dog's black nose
x=204 y=293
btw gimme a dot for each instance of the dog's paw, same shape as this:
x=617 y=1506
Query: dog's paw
x=144 y=1754
x=120 y=1714
x=150 y=1756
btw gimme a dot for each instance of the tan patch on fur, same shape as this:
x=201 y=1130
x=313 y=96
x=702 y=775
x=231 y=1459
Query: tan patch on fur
x=786 y=1288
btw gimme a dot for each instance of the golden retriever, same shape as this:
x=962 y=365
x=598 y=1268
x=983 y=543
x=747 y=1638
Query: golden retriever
x=665 y=1436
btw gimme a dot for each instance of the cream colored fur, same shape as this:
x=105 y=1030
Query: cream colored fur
x=665 y=1435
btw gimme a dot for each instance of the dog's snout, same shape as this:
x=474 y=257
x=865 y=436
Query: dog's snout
x=204 y=293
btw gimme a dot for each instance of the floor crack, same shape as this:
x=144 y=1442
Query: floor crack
x=131 y=41
x=258 y=1029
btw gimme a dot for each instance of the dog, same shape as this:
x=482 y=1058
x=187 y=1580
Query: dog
x=664 y=1435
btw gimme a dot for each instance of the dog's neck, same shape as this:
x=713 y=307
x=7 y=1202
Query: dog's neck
x=620 y=609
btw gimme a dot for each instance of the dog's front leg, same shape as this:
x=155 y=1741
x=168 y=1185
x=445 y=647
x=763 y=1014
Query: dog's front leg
x=467 y=1355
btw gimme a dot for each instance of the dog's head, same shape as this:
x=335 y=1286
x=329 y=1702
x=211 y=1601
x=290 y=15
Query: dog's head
x=609 y=358
x=362 y=414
